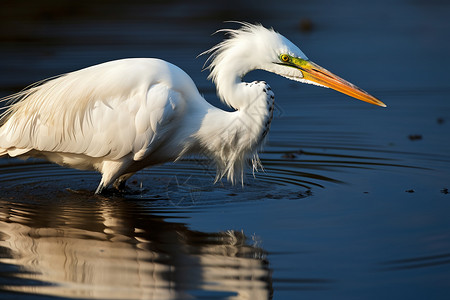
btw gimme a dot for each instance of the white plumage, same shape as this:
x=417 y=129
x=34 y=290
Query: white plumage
x=121 y=116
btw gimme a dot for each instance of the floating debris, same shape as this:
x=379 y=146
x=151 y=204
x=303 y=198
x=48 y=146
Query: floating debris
x=415 y=137
x=306 y=25
x=440 y=121
x=301 y=195
x=271 y=196
x=307 y=193
x=289 y=155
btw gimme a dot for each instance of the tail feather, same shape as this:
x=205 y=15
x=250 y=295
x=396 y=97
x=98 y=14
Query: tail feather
x=13 y=151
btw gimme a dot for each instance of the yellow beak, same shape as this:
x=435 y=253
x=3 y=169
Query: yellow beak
x=317 y=74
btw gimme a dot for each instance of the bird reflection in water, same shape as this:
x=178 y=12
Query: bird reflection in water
x=122 y=249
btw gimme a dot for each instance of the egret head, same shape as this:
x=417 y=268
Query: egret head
x=254 y=47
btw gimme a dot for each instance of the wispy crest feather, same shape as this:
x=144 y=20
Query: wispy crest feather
x=219 y=52
x=224 y=58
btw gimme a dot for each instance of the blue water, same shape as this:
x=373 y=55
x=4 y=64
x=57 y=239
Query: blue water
x=354 y=200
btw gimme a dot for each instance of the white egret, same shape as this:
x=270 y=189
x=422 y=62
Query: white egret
x=124 y=115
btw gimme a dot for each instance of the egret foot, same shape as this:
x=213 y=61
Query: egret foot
x=120 y=183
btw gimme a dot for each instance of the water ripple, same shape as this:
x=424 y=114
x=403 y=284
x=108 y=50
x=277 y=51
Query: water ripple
x=118 y=249
x=288 y=172
x=416 y=262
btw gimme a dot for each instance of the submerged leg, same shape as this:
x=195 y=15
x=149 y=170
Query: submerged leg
x=120 y=182
x=100 y=188
x=111 y=171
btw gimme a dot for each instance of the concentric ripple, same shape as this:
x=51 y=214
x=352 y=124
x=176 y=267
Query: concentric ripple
x=288 y=173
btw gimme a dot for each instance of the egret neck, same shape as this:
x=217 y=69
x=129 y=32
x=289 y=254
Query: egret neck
x=233 y=138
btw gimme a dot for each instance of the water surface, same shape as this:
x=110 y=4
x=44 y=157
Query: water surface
x=354 y=199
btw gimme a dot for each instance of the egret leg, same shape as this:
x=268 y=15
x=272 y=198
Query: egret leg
x=100 y=188
x=120 y=182
x=111 y=171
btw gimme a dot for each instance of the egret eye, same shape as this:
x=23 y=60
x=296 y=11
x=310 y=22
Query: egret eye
x=284 y=57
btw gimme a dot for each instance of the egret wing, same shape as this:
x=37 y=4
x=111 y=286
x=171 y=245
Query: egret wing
x=124 y=113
